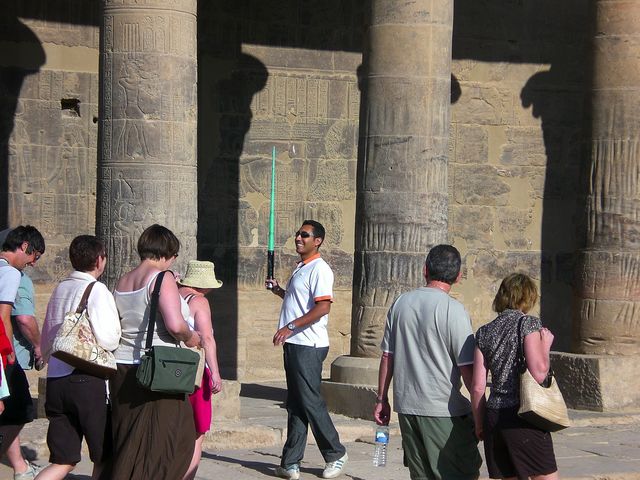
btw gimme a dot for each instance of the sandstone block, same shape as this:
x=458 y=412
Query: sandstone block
x=601 y=383
x=484 y=105
x=479 y=185
x=513 y=226
x=476 y=225
x=471 y=145
x=226 y=404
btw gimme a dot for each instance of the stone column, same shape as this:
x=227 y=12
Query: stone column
x=147 y=126
x=404 y=146
x=402 y=178
x=608 y=290
x=606 y=324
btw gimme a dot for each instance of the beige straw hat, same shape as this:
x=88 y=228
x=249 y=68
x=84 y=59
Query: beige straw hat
x=200 y=274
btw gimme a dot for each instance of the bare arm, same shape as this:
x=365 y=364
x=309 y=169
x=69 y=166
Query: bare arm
x=319 y=310
x=382 y=410
x=477 y=390
x=537 y=346
x=201 y=312
x=169 y=307
x=28 y=326
x=466 y=372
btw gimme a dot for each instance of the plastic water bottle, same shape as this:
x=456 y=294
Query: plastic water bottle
x=380 y=451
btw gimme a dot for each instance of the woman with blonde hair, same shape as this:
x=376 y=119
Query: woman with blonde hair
x=199 y=280
x=513 y=447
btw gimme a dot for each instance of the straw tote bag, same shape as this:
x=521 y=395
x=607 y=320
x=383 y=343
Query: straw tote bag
x=541 y=405
x=76 y=344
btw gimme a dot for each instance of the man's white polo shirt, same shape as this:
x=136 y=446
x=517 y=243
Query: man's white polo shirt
x=310 y=282
x=9 y=282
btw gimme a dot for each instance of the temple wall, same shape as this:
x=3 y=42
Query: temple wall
x=305 y=101
x=290 y=79
x=48 y=132
x=517 y=151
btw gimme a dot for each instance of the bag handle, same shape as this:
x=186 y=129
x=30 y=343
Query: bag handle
x=85 y=298
x=155 y=296
x=521 y=359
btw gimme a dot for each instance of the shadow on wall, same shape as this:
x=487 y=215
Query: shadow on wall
x=562 y=228
x=228 y=79
x=222 y=227
x=506 y=31
x=21 y=56
x=539 y=32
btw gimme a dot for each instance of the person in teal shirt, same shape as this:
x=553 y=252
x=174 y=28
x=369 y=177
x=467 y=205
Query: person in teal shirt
x=26 y=333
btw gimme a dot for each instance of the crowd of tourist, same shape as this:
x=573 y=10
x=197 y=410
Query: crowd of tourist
x=428 y=351
x=131 y=431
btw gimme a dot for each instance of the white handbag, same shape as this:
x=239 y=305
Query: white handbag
x=75 y=343
x=541 y=405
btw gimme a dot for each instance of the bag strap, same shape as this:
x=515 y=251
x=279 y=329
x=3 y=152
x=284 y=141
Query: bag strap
x=155 y=296
x=85 y=298
x=522 y=361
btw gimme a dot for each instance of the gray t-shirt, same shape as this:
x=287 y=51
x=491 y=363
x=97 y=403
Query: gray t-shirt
x=430 y=336
x=497 y=340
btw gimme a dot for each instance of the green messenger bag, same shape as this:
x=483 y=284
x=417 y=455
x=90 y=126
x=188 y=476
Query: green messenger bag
x=164 y=368
x=168 y=369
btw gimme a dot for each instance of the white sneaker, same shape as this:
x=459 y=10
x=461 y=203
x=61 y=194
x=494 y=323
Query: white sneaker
x=292 y=472
x=30 y=473
x=334 y=469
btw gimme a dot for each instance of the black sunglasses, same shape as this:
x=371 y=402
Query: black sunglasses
x=303 y=234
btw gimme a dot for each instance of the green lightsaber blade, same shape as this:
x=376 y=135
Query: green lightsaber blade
x=272 y=215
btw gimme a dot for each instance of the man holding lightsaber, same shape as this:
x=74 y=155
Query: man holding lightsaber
x=302 y=332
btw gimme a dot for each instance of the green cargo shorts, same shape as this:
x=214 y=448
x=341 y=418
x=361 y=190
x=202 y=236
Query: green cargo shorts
x=437 y=448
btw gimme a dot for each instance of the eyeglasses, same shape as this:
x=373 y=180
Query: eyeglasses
x=36 y=257
x=175 y=255
x=303 y=234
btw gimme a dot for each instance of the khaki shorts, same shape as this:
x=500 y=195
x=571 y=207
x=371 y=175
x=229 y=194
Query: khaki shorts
x=437 y=448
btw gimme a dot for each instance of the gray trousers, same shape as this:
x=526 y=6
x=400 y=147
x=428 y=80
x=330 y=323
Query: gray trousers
x=306 y=407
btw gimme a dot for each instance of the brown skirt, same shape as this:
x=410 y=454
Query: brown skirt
x=153 y=433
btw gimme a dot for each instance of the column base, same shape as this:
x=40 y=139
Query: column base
x=603 y=383
x=353 y=387
x=355 y=370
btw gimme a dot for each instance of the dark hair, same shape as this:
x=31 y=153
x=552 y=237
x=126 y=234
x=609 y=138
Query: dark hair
x=443 y=263
x=157 y=242
x=517 y=292
x=318 y=229
x=21 y=234
x=84 y=252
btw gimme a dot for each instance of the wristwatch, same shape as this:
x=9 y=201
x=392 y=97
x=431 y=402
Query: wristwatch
x=291 y=326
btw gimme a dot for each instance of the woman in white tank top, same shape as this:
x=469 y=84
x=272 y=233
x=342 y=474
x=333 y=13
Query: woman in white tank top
x=153 y=432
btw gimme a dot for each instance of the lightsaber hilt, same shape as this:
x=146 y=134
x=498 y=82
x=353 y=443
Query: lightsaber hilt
x=270 y=262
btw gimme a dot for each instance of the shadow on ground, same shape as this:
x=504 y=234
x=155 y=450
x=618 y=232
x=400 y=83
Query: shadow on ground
x=265 y=392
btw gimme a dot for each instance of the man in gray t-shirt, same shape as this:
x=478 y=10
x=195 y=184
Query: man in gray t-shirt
x=427 y=347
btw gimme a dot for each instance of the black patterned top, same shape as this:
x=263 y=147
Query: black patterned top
x=497 y=342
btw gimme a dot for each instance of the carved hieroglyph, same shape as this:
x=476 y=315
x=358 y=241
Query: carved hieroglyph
x=402 y=171
x=607 y=318
x=147 y=147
